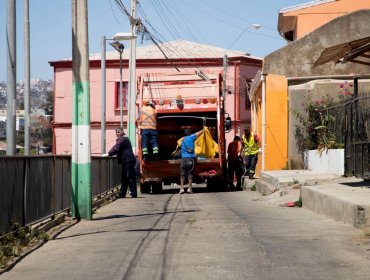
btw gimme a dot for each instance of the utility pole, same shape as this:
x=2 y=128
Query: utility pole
x=103 y=95
x=131 y=127
x=81 y=138
x=11 y=105
x=27 y=78
x=224 y=90
x=120 y=90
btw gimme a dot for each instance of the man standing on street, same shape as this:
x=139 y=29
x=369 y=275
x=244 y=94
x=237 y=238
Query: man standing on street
x=188 y=159
x=126 y=158
x=250 y=151
x=234 y=163
x=147 y=122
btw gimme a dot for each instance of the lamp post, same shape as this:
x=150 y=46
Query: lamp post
x=117 y=37
x=119 y=47
x=103 y=95
x=254 y=26
x=132 y=85
x=225 y=64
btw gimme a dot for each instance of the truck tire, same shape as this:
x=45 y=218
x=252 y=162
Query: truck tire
x=211 y=184
x=216 y=184
x=145 y=187
x=157 y=187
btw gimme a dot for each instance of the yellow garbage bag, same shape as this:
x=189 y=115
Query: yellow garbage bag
x=205 y=146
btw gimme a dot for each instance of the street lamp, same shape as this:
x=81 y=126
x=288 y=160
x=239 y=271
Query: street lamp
x=117 y=37
x=131 y=109
x=225 y=59
x=225 y=63
x=254 y=26
x=119 y=48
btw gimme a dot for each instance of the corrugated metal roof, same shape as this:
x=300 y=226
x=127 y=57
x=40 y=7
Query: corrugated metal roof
x=180 y=49
x=305 y=5
x=357 y=51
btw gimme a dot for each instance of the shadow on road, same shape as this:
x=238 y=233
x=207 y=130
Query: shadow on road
x=360 y=184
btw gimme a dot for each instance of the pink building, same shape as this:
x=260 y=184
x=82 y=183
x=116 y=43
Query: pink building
x=184 y=56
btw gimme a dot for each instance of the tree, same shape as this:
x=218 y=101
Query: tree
x=20 y=105
x=48 y=105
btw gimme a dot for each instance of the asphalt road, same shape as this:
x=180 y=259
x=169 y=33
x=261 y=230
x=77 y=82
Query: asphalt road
x=228 y=235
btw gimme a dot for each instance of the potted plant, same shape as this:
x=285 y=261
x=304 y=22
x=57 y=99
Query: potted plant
x=319 y=134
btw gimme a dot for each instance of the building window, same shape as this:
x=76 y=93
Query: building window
x=124 y=95
x=248 y=83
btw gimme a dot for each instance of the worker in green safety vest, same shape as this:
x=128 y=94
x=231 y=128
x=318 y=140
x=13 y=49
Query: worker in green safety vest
x=250 y=142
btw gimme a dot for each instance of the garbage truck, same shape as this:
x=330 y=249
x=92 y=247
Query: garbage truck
x=184 y=101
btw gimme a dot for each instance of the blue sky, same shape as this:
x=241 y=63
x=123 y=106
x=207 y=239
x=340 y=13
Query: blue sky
x=213 y=22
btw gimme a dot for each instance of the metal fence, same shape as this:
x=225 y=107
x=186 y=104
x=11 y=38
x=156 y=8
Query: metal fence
x=33 y=188
x=357 y=136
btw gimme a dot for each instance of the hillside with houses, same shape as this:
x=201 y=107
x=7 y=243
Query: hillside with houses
x=41 y=114
x=41 y=92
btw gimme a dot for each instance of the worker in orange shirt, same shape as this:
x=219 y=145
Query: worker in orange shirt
x=234 y=163
x=147 y=122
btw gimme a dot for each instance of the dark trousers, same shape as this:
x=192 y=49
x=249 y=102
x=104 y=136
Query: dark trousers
x=128 y=178
x=250 y=164
x=149 y=138
x=234 y=167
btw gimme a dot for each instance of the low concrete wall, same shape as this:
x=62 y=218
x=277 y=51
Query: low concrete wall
x=330 y=161
x=342 y=203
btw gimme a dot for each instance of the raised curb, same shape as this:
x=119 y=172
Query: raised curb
x=248 y=184
x=264 y=187
x=284 y=178
x=341 y=202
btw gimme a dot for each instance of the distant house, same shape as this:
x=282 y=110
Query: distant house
x=20 y=121
x=182 y=57
x=3 y=147
x=2 y=129
x=299 y=20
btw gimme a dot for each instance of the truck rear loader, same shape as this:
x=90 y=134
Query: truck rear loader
x=183 y=101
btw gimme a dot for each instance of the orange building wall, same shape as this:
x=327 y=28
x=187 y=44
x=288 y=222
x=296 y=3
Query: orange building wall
x=276 y=137
x=276 y=149
x=311 y=18
x=258 y=128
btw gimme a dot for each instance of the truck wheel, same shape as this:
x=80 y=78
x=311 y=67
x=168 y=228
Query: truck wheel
x=145 y=187
x=211 y=184
x=157 y=187
x=216 y=184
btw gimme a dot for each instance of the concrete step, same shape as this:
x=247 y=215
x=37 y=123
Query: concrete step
x=265 y=188
x=347 y=202
x=248 y=184
x=284 y=178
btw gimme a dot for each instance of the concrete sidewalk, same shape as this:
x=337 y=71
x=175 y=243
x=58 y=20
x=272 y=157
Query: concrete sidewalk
x=347 y=201
x=343 y=199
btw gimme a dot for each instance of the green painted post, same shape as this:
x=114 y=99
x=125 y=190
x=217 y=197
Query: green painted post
x=81 y=150
x=131 y=126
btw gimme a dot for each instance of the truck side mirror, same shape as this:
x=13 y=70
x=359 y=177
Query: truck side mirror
x=227 y=124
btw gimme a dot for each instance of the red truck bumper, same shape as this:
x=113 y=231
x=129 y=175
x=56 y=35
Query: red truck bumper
x=167 y=169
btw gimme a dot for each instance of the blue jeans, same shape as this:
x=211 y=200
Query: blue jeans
x=250 y=164
x=149 y=138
